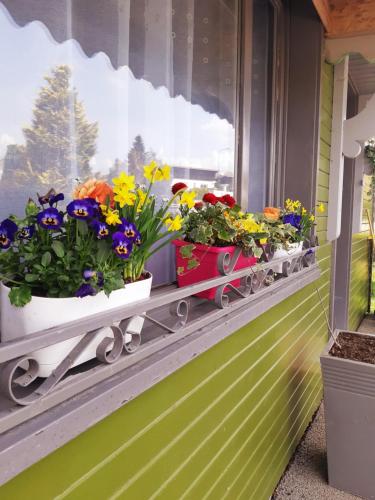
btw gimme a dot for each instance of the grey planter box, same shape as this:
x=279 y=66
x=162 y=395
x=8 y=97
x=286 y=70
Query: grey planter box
x=349 y=402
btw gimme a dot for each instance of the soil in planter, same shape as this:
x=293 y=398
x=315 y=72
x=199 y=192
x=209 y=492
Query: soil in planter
x=355 y=348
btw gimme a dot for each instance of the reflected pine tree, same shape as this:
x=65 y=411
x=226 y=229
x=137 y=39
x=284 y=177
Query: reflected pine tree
x=59 y=143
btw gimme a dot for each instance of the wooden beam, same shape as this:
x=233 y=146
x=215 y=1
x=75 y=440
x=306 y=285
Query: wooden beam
x=323 y=9
x=342 y=18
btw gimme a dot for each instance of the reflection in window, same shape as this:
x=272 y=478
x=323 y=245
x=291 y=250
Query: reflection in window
x=93 y=87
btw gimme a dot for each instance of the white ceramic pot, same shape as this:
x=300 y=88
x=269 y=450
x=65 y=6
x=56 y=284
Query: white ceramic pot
x=42 y=313
x=292 y=251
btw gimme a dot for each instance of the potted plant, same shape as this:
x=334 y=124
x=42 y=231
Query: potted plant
x=59 y=264
x=348 y=368
x=214 y=226
x=288 y=227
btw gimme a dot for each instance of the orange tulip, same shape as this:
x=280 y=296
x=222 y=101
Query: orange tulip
x=271 y=213
x=93 y=188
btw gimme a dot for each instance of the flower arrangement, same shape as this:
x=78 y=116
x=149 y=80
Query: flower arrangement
x=291 y=224
x=218 y=221
x=101 y=241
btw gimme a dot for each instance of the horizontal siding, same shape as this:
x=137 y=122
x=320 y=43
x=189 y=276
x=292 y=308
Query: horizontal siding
x=220 y=426
x=322 y=193
x=359 y=280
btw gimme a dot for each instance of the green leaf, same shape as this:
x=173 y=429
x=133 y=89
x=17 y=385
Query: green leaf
x=31 y=208
x=46 y=259
x=20 y=296
x=192 y=264
x=187 y=251
x=31 y=277
x=103 y=250
x=58 y=248
x=82 y=227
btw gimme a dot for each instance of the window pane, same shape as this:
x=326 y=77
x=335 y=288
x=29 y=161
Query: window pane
x=262 y=92
x=92 y=87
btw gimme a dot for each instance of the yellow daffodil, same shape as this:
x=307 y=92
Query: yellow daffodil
x=188 y=199
x=141 y=199
x=174 y=224
x=123 y=181
x=312 y=217
x=303 y=211
x=321 y=208
x=112 y=217
x=163 y=173
x=150 y=170
x=153 y=172
x=104 y=209
x=249 y=225
x=125 y=197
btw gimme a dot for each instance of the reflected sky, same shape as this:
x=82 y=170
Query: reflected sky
x=178 y=132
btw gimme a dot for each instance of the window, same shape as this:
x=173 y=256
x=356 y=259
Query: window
x=95 y=87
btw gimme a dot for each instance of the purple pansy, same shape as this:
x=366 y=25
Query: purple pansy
x=50 y=198
x=50 y=218
x=128 y=229
x=55 y=199
x=122 y=245
x=89 y=274
x=293 y=220
x=84 y=290
x=26 y=232
x=80 y=209
x=7 y=231
x=100 y=228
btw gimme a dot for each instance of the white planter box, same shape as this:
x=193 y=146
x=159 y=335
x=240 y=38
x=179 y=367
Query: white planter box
x=294 y=249
x=42 y=313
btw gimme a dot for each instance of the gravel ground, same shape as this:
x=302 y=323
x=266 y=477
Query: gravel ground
x=306 y=475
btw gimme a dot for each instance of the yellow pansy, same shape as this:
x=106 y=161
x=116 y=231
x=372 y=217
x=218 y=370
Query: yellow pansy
x=174 y=224
x=123 y=181
x=321 y=208
x=263 y=241
x=188 y=199
x=125 y=197
x=112 y=217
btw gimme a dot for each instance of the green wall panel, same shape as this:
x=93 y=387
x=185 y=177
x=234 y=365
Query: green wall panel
x=359 y=280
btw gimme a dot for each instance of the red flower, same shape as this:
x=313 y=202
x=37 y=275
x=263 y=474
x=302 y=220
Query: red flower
x=210 y=198
x=228 y=200
x=179 y=186
x=198 y=205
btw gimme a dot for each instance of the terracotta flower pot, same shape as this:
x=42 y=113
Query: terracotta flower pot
x=207 y=257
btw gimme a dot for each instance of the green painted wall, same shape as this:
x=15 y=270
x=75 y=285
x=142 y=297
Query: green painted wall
x=360 y=277
x=223 y=426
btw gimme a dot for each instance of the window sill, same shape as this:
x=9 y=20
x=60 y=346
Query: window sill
x=83 y=398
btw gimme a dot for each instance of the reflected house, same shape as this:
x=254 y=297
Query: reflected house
x=207 y=179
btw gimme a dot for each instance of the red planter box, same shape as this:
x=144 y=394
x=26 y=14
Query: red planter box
x=207 y=269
